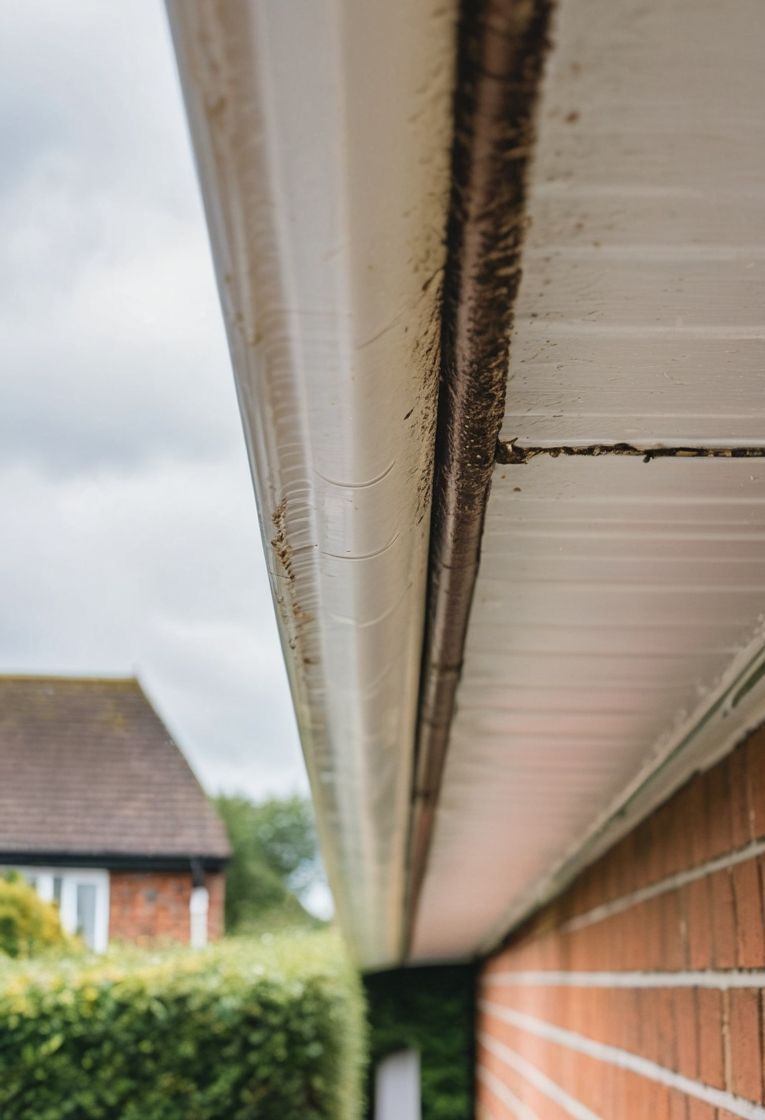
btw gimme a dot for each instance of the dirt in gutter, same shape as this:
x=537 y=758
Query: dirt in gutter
x=501 y=50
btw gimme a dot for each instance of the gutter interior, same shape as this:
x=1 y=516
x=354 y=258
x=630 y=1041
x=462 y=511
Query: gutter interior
x=501 y=52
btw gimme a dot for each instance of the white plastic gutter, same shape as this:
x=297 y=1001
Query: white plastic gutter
x=322 y=131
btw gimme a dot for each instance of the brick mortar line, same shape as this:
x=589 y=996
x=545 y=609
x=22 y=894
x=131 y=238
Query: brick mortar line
x=508 y=1098
x=535 y=1077
x=550 y=978
x=672 y=882
x=624 y=1059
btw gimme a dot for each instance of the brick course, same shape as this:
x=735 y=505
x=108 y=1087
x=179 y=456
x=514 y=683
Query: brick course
x=150 y=906
x=711 y=922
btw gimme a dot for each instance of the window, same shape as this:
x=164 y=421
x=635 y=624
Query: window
x=86 y=912
x=82 y=897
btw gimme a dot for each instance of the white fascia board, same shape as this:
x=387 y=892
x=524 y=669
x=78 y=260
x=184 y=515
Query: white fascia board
x=322 y=131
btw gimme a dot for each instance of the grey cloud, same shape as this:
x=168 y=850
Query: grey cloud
x=92 y=86
x=129 y=531
x=109 y=327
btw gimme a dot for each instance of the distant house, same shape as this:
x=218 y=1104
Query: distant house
x=101 y=812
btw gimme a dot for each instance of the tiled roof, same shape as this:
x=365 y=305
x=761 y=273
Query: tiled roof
x=87 y=768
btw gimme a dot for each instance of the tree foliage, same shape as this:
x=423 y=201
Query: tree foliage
x=274 y=861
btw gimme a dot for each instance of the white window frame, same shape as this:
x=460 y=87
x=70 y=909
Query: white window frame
x=71 y=877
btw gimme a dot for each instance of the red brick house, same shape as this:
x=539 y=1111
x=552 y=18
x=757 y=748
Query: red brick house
x=101 y=812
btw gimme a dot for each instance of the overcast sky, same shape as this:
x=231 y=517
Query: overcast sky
x=129 y=538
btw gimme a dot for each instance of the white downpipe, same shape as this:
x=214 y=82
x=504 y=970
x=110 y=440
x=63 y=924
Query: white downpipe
x=397 y=1087
x=199 y=905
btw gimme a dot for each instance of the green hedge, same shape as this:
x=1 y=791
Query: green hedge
x=431 y=1010
x=247 y=1030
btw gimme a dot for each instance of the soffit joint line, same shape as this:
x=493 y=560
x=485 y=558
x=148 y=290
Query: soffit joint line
x=509 y=453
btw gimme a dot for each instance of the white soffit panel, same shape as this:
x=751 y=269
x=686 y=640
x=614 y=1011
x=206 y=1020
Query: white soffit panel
x=322 y=132
x=617 y=599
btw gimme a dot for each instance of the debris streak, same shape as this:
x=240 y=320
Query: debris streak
x=510 y=453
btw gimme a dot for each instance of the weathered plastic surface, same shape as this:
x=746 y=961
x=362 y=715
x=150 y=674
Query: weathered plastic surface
x=322 y=134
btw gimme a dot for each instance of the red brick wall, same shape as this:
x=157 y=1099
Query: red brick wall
x=149 y=906
x=651 y=1005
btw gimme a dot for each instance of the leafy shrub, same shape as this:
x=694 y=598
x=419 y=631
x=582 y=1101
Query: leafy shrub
x=245 y=1030
x=27 y=924
x=430 y=1010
